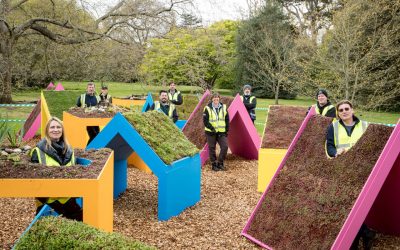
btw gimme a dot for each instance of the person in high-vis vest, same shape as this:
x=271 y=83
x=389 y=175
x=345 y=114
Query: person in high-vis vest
x=342 y=134
x=54 y=150
x=89 y=99
x=174 y=96
x=163 y=105
x=105 y=97
x=249 y=101
x=216 y=126
x=324 y=106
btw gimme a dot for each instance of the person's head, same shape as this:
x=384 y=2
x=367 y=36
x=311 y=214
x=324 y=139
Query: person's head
x=215 y=98
x=345 y=110
x=163 y=96
x=172 y=86
x=90 y=88
x=246 y=89
x=322 y=97
x=104 y=90
x=55 y=132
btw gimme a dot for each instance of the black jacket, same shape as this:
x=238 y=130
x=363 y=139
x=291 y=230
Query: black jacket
x=330 y=136
x=90 y=100
x=55 y=151
x=250 y=106
x=206 y=119
x=330 y=113
x=180 y=99
x=165 y=110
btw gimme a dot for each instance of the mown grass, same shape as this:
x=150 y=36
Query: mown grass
x=59 y=101
x=157 y=129
x=121 y=90
x=58 y=233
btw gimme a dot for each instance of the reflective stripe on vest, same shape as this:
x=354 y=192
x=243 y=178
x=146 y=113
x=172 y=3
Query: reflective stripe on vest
x=173 y=97
x=324 y=111
x=45 y=159
x=342 y=140
x=251 y=98
x=157 y=106
x=218 y=122
x=83 y=99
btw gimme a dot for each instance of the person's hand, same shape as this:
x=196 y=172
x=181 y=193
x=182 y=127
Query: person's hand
x=340 y=151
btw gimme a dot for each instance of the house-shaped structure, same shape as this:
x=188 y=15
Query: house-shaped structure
x=178 y=183
x=376 y=205
x=243 y=139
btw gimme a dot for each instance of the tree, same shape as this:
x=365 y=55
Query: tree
x=265 y=52
x=201 y=57
x=66 y=22
x=363 y=54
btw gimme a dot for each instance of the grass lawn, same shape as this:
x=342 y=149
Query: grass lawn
x=118 y=89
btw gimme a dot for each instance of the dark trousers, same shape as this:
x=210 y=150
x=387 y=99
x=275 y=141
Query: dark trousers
x=212 y=140
x=70 y=210
x=364 y=233
x=93 y=131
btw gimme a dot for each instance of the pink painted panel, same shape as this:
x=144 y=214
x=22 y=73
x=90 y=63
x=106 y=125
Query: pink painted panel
x=378 y=178
x=204 y=154
x=290 y=149
x=50 y=86
x=59 y=87
x=205 y=95
x=32 y=130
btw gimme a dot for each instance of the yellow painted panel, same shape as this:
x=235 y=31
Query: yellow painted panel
x=268 y=162
x=127 y=103
x=97 y=193
x=75 y=128
x=135 y=161
x=44 y=115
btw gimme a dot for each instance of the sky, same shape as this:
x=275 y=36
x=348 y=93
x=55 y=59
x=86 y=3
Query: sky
x=216 y=10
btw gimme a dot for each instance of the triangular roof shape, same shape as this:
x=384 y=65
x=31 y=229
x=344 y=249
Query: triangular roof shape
x=59 y=87
x=377 y=204
x=32 y=124
x=50 y=86
x=149 y=102
x=243 y=139
x=178 y=183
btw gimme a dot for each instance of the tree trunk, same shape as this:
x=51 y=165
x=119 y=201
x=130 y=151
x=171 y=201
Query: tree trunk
x=277 y=93
x=5 y=84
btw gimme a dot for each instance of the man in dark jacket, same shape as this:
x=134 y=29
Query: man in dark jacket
x=164 y=106
x=89 y=99
x=216 y=126
x=324 y=106
x=174 y=96
x=249 y=101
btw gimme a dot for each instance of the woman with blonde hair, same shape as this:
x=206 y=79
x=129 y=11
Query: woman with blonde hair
x=54 y=150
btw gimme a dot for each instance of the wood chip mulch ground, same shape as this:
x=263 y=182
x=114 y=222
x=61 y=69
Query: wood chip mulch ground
x=227 y=201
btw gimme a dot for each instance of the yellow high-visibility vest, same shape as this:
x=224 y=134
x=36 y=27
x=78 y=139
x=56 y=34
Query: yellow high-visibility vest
x=173 y=97
x=324 y=111
x=251 y=98
x=342 y=140
x=217 y=121
x=83 y=99
x=157 y=106
x=47 y=160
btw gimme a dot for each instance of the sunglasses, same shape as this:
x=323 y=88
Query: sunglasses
x=344 y=109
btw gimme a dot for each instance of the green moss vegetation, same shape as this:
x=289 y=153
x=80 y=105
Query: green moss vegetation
x=169 y=143
x=59 y=101
x=59 y=233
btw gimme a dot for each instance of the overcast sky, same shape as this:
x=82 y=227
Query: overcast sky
x=216 y=10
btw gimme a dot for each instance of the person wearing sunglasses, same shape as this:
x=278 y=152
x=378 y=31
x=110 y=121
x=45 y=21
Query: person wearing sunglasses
x=341 y=136
x=345 y=132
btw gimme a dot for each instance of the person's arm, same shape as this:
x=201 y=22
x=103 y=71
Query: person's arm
x=227 y=123
x=331 y=113
x=251 y=105
x=330 y=142
x=174 y=115
x=78 y=102
x=206 y=120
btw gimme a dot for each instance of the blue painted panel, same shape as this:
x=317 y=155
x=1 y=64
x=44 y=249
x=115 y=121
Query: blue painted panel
x=179 y=187
x=83 y=161
x=149 y=102
x=180 y=123
x=120 y=177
